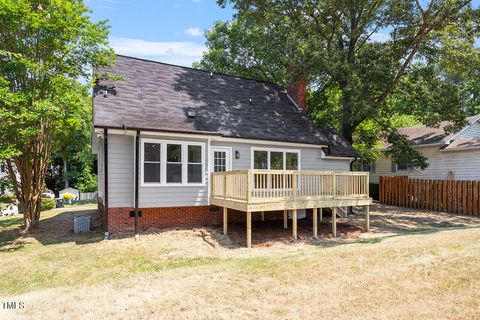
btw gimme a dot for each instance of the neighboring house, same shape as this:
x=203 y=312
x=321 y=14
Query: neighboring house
x=451 y=156
x=73 y=191
x=190 y=123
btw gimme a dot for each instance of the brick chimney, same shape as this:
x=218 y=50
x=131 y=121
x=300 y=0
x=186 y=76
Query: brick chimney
x=298 y=92
x=297 y=87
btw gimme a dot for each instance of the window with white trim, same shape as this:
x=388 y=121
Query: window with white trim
x=275 y=159
x=151 y=162
x=172 y=162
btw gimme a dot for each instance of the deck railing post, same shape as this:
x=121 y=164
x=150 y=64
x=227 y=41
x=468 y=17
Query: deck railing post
x=224 y=185
x=294 y=185
x=334 y=185
x=249 y=185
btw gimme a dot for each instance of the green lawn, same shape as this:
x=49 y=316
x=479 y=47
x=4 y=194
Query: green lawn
x=392 y=272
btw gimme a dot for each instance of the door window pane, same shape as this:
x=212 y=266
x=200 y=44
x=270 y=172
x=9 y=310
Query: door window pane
x=219 y=161
x=292 y=161
x=260 y=160
x=276 y=160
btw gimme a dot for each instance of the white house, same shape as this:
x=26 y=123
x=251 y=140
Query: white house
x=454 y=155
x=163 y=130
x=70 y=190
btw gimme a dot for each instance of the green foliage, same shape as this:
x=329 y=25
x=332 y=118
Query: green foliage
x=7 y=199
x=47 y=204
x=68 y=196
x=425 y=68
x=53 y=44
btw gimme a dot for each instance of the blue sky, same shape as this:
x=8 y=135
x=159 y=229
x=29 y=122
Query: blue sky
x=165 y=30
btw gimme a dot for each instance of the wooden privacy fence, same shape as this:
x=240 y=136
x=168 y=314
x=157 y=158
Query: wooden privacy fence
x=454 y=196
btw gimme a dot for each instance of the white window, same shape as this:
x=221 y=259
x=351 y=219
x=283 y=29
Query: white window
x=172 y=163
x=220 y=159
x=275 y=159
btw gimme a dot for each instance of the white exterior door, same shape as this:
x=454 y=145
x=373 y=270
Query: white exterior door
x=220 y=159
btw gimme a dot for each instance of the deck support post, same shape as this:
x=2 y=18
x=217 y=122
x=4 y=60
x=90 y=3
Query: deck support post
x=285 y=219
x=225 y=220
x=321 y=214
x=249 y=229
x=334 y=222
x=263 y=215
x=294 y=223
x=315 y=223
x=367 y=218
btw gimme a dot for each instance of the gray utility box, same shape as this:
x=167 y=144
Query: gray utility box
x=81 y=224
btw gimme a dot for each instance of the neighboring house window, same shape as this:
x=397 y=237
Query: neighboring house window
x=274 y=159
x=168 y=162
x=401 y=166
x=2 y=168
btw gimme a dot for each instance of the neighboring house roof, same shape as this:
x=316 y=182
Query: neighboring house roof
x=157 y=96
x=463 y=143
x=424 y=135
x=69 y=190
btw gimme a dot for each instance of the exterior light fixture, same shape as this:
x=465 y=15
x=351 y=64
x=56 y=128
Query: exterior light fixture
x=237 y=154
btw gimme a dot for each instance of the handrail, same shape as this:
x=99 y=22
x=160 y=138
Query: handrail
x=264 y=185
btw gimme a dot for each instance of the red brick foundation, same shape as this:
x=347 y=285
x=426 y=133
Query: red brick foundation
x=119 y=219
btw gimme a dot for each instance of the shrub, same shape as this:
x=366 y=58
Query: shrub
x=68 y=196
x=48 y=204
x=7 y=199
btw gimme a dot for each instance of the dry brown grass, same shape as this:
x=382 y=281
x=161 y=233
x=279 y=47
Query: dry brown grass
x=413 y=265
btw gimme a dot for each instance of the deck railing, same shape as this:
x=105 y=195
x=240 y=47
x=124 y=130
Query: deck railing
x=283 y=185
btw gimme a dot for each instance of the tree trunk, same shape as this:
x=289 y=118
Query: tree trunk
x=65 y=171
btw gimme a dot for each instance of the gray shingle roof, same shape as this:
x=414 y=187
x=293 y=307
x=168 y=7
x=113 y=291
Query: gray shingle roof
x=419 y=135
x=464 y=143
x=157 y=96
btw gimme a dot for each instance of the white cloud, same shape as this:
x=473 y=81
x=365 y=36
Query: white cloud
x=181 y=53
x=196 y=32
x=197 y=1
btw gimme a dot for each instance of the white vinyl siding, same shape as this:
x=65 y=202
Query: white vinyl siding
x=120 y=171
x=473 y=131
x=464 y=164
x=310 y=158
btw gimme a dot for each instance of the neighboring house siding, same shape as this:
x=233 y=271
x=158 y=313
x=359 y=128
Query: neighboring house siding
x=120 y=171
x=473 y=131
x=464 y=164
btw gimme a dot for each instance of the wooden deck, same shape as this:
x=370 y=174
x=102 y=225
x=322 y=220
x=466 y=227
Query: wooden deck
x=272 y=190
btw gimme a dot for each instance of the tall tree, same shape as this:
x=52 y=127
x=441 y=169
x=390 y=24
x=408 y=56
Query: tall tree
x=362 y=57
x=47 y=46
